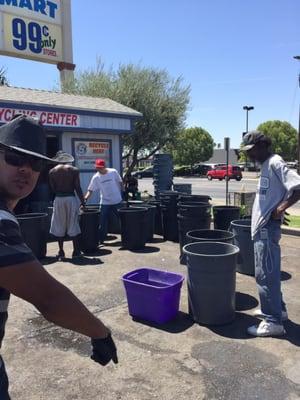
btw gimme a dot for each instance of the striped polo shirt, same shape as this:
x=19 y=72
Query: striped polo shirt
x=13 y=251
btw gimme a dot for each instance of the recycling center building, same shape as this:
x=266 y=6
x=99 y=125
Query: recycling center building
x=86 y=127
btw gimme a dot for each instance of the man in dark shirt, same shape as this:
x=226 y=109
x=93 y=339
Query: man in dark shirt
x=64 y=182
x=21 y=160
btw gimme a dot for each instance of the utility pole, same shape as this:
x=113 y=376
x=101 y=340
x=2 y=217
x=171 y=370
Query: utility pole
x=298 y=149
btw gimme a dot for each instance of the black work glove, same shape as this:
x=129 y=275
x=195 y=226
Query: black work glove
x=104 y=350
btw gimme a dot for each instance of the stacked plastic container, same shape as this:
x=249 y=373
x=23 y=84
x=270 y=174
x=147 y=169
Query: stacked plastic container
x=162 y=173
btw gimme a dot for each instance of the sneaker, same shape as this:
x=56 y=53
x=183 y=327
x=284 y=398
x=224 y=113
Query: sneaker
x=265 y=329
x=259 y=314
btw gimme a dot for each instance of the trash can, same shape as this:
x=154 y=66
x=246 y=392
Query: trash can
x=149 y=220
x=89 y=225
x=34 y=229
x=223 y=215
x=158 y=230
x=211 y=268
x=242 y=230
x=153 y=295
x=132 y=227
x=198 y=198
x=183 y=187
x=209 y=235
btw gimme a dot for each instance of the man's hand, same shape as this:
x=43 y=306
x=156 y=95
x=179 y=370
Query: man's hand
x=104 y=350
x=280 y=212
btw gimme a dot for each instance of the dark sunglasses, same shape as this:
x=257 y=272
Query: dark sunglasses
x=19 y=160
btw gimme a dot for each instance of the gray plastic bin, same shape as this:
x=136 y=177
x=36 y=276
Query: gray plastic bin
x=241 y=228
x=211 y=270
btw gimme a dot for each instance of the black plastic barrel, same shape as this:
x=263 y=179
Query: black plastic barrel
x=191 y=216
x=211 y=269
x=186 y=224
x=149 y=220
x=223 y=215
x=198 y=198
x=183 y=187
x=132 y=227
x=195 y=209
x=242 y=230
x=34 y=229
x=158 y=230
x=89 y=224
x=209 y=235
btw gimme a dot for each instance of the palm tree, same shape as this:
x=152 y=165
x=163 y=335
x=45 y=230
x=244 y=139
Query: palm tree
x=3 y=79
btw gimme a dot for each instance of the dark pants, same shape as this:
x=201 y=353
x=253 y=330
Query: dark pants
x=3 y=382
x=106 y=210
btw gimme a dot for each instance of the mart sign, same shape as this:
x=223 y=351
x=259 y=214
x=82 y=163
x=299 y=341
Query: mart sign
x=32 y=29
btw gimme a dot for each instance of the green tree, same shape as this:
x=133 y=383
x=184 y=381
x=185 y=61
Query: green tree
x=193 y=145
x=162 y=100
x=3 y=79
x=284 y=138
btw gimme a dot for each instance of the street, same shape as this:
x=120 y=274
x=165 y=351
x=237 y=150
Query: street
x=215 y=188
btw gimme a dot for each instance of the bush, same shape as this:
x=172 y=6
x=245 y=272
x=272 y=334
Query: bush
x=182 y=170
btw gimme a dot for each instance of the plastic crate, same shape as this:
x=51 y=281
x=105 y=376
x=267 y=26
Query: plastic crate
x=153 y=295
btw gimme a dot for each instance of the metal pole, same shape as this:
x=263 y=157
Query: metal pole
x=227 y=146
x=298 y=167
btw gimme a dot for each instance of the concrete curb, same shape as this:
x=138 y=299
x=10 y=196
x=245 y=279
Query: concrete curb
x=290 y=231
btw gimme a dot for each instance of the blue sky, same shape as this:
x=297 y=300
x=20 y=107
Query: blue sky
x=232 y=53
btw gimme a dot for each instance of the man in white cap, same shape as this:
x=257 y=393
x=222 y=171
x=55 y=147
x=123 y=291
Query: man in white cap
x=65 y=183
x=22 y=158
x=278 y=189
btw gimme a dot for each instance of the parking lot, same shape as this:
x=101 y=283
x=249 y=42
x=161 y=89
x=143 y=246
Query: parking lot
x=179 y=359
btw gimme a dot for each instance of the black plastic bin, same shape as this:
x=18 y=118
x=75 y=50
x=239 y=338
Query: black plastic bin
x=34 y=229
x=211 y=268
x=89 y=225
x=158 y=230
x=223 y=215
x=133 y=227
x=242 y=230
x=149 y=220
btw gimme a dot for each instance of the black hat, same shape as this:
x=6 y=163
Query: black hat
x=252 y=138
x=25 y=135
x=62 y=157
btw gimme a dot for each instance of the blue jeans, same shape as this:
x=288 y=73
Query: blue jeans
x=267 y=257
x=106 y=210
x=3 y=382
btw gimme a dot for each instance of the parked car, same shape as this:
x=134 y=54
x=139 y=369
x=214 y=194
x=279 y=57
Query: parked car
x=182 y=170
x=144 y=173
x=201 y=169
x=220 y=172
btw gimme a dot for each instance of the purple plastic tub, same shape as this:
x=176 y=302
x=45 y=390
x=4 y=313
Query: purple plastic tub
x=153 y=295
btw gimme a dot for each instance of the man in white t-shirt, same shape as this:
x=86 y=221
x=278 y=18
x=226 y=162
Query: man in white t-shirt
x=278 y=189
x=110 y=185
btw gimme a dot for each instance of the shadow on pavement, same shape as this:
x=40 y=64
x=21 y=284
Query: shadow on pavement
x=236 y=329
x=48 y=260
x=84 y=261
x=145 y=250
x=157 y=240
x=293 y=332
x=244 y=301
x=285 y=276
x=99 y=252
x=181 y=323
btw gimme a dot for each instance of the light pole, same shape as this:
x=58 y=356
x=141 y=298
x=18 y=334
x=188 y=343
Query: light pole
x=247 y=109
x=298 y=149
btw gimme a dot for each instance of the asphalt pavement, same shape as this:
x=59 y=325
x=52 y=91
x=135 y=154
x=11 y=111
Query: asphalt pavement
x=178 y=360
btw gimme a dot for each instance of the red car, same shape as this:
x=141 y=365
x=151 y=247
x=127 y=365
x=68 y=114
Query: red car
x=220 y=172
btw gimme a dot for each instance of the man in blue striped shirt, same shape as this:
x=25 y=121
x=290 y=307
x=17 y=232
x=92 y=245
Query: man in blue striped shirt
x=22 y=157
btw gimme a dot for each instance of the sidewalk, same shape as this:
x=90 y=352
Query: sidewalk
x=179 y=360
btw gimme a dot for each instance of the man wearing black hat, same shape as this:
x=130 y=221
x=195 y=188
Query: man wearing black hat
x=278 y=189
x=64 y=182
x=22 y=157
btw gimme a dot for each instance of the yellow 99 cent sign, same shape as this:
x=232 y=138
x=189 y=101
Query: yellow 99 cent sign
x=34 y=39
